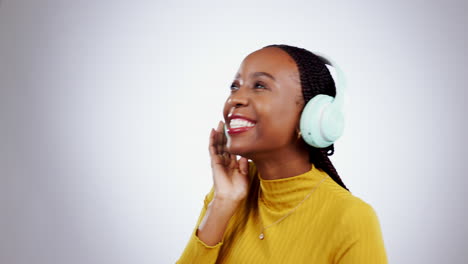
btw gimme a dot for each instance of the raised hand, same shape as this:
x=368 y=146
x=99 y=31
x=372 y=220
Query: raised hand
x=230 y=176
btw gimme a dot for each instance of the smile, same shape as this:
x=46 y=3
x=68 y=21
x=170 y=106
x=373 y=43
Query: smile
x=239 y=125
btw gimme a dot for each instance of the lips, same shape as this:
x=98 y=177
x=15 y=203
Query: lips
x=238 y=116
x=239 y=124
x=233 y=131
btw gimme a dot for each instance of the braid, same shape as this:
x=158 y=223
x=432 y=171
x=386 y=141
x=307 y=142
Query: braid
x=315 y=79
x=320 y=158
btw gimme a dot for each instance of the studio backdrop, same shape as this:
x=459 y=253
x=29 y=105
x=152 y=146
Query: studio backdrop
x=106 y=108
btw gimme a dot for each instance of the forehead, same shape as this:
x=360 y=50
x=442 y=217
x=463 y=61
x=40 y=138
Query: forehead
x=272 y=60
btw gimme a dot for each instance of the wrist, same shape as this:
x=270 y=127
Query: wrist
x=225 y=203
x=230 y=197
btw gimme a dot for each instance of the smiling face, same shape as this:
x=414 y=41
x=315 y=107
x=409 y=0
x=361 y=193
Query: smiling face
x=267 y=92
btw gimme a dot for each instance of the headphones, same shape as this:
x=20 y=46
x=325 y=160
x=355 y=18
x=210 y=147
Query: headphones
x=322 y=120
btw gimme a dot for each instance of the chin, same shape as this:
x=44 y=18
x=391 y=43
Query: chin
x=238 y=149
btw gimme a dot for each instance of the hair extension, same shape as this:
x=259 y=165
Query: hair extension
x=315 y=79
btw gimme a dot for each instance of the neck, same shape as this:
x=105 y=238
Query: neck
x=284 y=163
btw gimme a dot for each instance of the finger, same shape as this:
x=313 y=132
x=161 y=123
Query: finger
x=214 y=153
x=233 y=162
x=227 y=159
x=211 y=144
x=224 y=138
x=243 y=165
x=212 y=149
x=219 y=138
x=218 y=144
x=217 y=160
x=220 y=126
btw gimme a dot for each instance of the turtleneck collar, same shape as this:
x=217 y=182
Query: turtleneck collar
x=286 y=193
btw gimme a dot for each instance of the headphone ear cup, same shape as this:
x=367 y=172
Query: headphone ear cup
x=332 y=123
x=321 y=123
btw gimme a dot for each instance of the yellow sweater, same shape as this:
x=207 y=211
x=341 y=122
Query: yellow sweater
x=331 y=226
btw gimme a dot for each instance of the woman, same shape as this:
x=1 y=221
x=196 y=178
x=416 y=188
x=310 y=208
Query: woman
x=288 y=204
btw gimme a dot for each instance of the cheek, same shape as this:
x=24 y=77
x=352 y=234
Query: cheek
x=280 y=119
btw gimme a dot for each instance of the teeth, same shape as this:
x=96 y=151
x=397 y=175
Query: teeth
x=237 y=122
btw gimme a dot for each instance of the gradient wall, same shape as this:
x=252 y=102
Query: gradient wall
x=106 y=108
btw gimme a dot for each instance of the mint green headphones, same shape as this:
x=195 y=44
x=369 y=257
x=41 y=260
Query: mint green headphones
x=322 y=120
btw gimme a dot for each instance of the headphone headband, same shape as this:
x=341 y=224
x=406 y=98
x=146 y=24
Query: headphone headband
x=340 y=81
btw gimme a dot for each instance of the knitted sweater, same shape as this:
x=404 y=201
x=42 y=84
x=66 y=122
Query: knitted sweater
x=330 y=226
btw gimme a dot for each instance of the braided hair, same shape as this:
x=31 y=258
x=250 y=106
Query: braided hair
x=315 y=79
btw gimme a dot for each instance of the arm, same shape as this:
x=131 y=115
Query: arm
x=207 y=237
x=212 y=227
x=230 y=185
x=196 y=251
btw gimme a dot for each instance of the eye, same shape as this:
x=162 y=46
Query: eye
x=233 y=87
x=259 y=85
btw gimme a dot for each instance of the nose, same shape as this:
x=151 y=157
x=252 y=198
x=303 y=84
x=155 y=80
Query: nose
x=238 y=99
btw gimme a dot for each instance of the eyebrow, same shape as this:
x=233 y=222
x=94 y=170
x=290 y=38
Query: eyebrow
x=258 y=74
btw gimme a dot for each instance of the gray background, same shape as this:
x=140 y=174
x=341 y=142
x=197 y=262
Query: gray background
x=106 y=108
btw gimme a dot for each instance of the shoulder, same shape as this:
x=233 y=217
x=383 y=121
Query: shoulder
x=356 y=219
x=348 y=211
x=356 y=228
x=358 y=215
x=358 y=234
